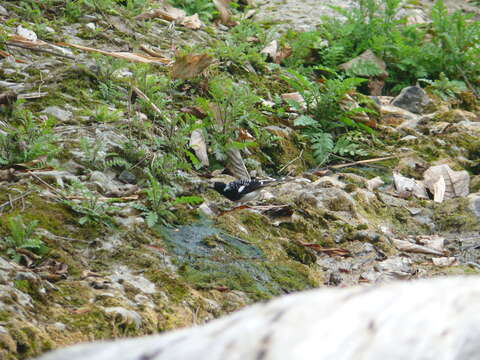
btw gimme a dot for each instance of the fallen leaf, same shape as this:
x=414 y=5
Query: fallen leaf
x=5 y=54
x=282 y=54
x=244 y=135
x=328 y=251
x=166 y=12
x=374 y=183
x=192 y=22
x=271 y=49
x=444 y=261
x=456 y=182
x=407 y=246
x=236 y=165
x=295 y=96
x=198 y=144
x=191 y=65
x=405 y=185
x=195 y=111
x=435 y=242
x=439 y=190
x=224 y=11
x=8 y=98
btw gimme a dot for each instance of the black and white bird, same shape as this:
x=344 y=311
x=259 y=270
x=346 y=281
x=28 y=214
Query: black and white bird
x=242 y=190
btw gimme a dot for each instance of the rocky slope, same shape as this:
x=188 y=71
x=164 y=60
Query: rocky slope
x=85 y=138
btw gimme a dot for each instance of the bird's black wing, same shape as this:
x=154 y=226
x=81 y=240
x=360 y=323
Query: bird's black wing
x=237 y=189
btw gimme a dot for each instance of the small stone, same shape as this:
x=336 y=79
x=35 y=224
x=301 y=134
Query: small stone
x=413 y=99
x=90 y=26
x=409 y=139
x=58 y=113
x=206 y=210
x=367 y=235
x=127 y=177
x=26 y=33
x=3 y=11
x=444 y=261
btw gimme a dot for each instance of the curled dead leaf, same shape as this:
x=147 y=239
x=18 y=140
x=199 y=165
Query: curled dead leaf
x=198 y=144
x=191 y=65
x=192 y=22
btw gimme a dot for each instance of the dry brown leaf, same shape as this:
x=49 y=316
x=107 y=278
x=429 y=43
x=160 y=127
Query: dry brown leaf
x=405 y=185
x=271 y=49
x=295 y=96
x=224 y=11
x=282 y=54
x=456 y=182
x=191 y=65
x=407 y=246
x=192 y=22
x=150 y=51
x=439 y=190
x=166 y=12
x=196 y=111
x=244 y=135
x=328 y=251
x=8 y=98
x=236 y=165
x=198 y=144
x=121 y=55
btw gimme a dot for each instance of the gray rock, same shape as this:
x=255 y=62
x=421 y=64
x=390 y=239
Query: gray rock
x=367 y=235
x=127 y=177
x=58 y=113
x=124 y=316
x=413 y=99
x=3 y=11
x=445 y=313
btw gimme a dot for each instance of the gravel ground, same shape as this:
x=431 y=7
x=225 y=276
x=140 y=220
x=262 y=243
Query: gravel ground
x=304 y=15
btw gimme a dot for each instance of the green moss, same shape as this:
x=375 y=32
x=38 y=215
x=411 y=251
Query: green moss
x=52 y=216
x=300 y=253
x=455 y=215
x=175 y=288
x=5 y=315
x=29 y=341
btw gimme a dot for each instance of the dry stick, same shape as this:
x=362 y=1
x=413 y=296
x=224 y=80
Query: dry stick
x=291 y=161
x=365 y=161
x=469 y=84
x=36 y=95
x=11 y=201
x=141 y=94
x=49 y=186
x=41 y=50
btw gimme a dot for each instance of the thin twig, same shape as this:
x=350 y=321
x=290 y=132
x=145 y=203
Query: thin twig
x=291 y=161
x=341 y=166
x=40 y=50
x=11 y=201
x=48 y=185
x=141 y=94
x=469 y=84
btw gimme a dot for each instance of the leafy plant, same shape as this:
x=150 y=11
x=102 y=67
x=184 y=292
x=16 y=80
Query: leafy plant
x=104 y=114
x=327 y=125
x=444 y=88
x=22 y=236
x=232 y=107
x=93 y=152
x=27 y=141
x=89 y=206
x=205 y=9
x=242 y=46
